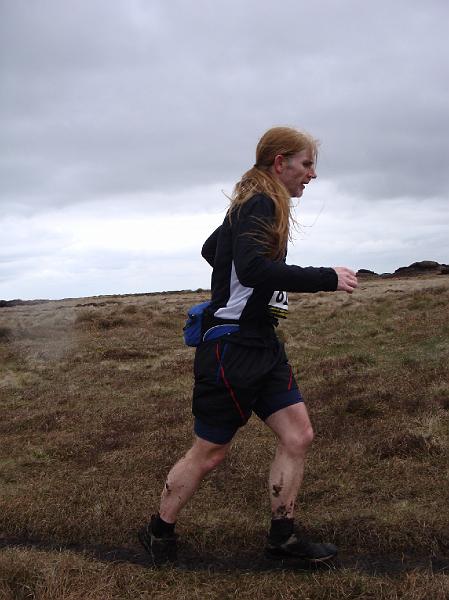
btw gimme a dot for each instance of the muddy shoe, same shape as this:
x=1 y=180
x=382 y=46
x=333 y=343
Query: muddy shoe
x=298 y=546
x=163 y=550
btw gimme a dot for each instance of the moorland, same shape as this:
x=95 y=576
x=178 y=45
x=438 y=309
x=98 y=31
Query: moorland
x=95 y=408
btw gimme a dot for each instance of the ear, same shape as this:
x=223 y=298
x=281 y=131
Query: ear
x=279 y=163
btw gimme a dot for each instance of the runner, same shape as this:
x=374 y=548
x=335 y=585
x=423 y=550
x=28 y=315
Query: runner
x=241 y=366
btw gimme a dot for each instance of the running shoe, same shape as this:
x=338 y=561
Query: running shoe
x=163 y=550
x=299 y=546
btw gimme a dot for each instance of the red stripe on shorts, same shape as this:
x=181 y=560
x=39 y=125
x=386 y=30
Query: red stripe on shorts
x=227 y=384
x=290 y=380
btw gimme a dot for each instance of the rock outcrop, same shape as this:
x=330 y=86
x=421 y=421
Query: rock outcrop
x=366 y=273
x=423 y=267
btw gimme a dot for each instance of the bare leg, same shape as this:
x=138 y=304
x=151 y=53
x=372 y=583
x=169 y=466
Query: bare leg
x=187 y=474
x=294 y=431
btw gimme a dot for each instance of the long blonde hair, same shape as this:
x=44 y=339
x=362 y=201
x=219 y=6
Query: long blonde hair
x=259 y=180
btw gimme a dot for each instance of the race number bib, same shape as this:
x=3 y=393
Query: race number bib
x=278 y=305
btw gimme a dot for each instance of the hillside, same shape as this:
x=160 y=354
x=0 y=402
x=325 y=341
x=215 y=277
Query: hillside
x=95 y=407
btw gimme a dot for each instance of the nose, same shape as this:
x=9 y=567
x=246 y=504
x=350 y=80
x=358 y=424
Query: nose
x=312 y=173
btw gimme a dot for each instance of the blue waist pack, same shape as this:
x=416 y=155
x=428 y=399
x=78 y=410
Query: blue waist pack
x=220 y=330
x=193 y=326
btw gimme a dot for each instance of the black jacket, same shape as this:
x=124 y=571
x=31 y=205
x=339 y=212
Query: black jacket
x=248 y=287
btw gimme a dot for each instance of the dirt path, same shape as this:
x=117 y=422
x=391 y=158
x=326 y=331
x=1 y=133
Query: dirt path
x=191 y=561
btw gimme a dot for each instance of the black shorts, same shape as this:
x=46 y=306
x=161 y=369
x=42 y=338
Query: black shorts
x=233 y=379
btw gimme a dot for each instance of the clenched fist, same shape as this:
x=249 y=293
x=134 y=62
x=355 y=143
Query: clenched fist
x=347 y=279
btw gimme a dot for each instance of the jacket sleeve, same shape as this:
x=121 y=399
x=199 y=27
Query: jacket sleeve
x=254 y=269
x=210 y=247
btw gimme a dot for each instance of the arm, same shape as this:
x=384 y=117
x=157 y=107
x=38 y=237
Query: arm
x=254 y=269
x=210 y=246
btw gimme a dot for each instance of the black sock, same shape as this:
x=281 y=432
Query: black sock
x=161 y=528
x=281 y=529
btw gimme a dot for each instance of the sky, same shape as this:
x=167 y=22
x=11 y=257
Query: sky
x=124 y=126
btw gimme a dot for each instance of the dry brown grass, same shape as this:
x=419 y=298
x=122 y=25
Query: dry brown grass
x=95 y=407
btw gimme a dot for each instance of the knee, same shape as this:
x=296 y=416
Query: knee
x=212 y=459
x=298 y=442
x=208 y=459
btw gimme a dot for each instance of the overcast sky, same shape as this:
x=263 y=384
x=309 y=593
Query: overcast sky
x=124 y=123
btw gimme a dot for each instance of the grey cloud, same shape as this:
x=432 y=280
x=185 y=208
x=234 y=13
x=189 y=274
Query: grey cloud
x=102 y=99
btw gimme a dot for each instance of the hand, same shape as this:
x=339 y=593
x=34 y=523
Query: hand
x=347 y=279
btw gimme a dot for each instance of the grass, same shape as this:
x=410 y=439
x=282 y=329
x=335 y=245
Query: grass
x=95 y=408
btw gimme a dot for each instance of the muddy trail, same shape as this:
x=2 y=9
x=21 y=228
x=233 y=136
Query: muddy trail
x=191 y=560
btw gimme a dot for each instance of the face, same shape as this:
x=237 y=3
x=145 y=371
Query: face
x=295 y=171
